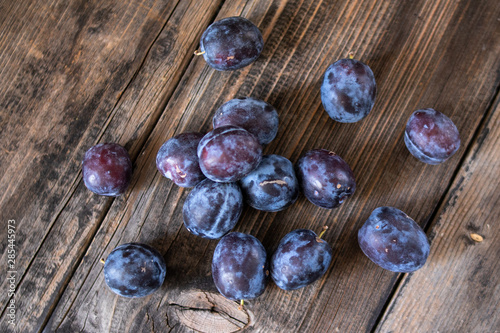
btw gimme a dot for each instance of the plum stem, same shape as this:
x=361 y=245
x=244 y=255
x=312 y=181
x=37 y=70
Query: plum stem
x=351 y=55
x=242 y=302
x=325 y=228
x=198 y=53
x=102 y=261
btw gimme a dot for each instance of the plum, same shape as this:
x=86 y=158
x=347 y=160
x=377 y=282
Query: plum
x=177 y=159
x=431 y=136
x=325 y=178
x=272 y=186
x=254 y=115
x=348 y=91
x=300 y=259
x=228 y=153
x=107 y=169
x=212 y=209
x=231 y=43
x=239 y=266
x=134 y=270
x=392 y=240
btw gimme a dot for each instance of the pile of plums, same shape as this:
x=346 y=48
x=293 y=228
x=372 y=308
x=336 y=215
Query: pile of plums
x=226 y=169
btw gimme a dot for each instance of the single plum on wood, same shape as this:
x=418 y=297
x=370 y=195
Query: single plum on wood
x=300 y=259
x=325 y=178
x=107 y=169
x=177 y=159
x=239 y=267
x=228 y=153
x=254 y=115
x=134 y=270
x=271 y=187
x=348 y=91
x=231 y=43
x=431 y=136
x=212 y=209
x=392 y=240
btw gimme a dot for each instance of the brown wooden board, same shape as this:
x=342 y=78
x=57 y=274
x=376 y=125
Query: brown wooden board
x=109 y=83
x=437 y=54
x=459 y=289
x=64 y=68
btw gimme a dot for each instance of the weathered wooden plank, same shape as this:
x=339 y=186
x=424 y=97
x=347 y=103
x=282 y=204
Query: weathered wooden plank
x=64 y=67
x=398 y=179
x=169 y=124
x=459 y=289
x=56 y=226
x=424 y=53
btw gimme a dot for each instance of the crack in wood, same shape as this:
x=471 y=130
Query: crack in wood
x=212 y=309
x=208 y=312
x=168 y=322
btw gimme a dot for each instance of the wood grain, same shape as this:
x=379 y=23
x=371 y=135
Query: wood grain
x=414 y=60
x=64 y=67
x=212 y=311
x=458 y=290
x=56 y=226
x=133 y=80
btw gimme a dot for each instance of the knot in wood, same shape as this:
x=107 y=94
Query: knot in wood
x=210 y=312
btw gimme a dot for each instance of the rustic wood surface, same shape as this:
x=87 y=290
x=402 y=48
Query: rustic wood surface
x=464 y=263
x=76 y=73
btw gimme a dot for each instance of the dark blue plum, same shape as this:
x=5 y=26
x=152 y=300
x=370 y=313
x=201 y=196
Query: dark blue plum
x=300 y=259
x=431 y=136
x=271 y=187
x=134 y=270
x=107 y=169
x=177 y=160
x=228 y=153
x=231 y=43
x=239 y=267
x=212 y=209
x=325 y=178
x=254 y=115
x=392 y=240
x=348 y=91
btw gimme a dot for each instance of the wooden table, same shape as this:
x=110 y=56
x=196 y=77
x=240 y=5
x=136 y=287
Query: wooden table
x=75 y=73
